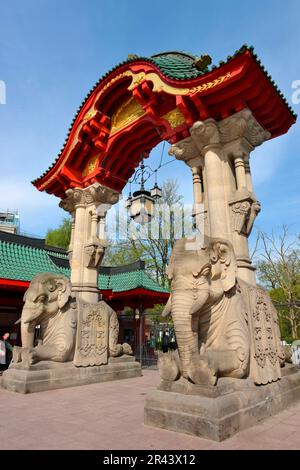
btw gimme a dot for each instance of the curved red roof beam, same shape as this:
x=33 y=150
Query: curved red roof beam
x=146 y=100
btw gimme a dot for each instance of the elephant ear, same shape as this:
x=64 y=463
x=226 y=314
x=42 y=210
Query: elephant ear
x=170 y=268
x=224 y=266
x=63 y=286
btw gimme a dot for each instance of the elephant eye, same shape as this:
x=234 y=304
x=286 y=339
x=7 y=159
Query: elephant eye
x=206 y=271
x=40 y=299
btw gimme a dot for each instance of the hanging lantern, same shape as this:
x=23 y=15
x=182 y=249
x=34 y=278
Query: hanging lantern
x=156 y=192
x=128 y=201
x=142 y=206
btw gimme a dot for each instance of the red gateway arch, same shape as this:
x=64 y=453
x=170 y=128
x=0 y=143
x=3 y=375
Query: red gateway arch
x=143 y=101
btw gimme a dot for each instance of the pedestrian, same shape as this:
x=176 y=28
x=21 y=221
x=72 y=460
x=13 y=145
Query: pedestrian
x=8 y=349
x=2 y=354
x=165 y=342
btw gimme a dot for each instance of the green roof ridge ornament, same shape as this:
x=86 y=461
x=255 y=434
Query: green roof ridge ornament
x=201 y=63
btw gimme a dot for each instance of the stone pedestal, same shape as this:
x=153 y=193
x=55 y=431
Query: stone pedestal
x=47 y=375
x=218 y=412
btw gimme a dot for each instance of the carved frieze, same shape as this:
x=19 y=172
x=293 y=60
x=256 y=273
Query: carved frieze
x=205 y=133
x=94 y=252
x=243 y=214
x=184 y=150
x=266 y=356
x=92 y=335
x=242 y=124
x=174 y=117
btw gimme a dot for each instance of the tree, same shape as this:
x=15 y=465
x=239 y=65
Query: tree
x=154 y=241
x=279 y=270
x=122 y=252
x=61 y=236
x=158 y=250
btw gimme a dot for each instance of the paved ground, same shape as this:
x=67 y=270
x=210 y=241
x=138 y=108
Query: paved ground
x=110 y=416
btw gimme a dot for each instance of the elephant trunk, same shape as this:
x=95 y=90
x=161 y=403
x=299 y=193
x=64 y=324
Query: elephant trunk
x=186 y=327
x=27 y=329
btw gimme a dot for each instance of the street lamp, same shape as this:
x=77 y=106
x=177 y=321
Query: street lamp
x=141 y=203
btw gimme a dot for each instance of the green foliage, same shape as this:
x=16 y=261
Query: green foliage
x=61 y=236
x=278 y=269
x=155 y=314
x=120 y=253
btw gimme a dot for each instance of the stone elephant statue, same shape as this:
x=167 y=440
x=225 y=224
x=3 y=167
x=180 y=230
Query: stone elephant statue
x=211 y=311
x=49 y=303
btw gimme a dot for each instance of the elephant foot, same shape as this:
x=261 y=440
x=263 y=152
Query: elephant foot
x=169 y=366
x=26 y=356
x=120 y=349
x=116 y=351
x=229 y=363
x=17 y=355
x=127 y=349
x=201 y=371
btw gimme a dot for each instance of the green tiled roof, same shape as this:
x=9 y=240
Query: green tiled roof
x=22 y=262
x=127 y=281
x=178 y=65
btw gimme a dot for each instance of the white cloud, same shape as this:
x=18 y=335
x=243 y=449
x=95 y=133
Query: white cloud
x=38 y=211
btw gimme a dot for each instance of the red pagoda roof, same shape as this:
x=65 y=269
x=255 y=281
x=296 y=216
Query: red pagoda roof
x=143 y=101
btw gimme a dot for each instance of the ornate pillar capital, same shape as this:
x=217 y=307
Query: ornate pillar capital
x=205 y=135
x=241 y=133
x=95 y=194
x=187 y=151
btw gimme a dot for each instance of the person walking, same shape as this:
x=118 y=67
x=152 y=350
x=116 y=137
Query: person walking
x=8 y=349
x=2 y=355
x=165 y=342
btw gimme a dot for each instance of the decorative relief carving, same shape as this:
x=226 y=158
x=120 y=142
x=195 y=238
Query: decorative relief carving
x=184 y=150
x=205 y=133
x=97 y=335
x=265 y=347
x=92 y=335
x=174 y=117
x=128 y=112
x=159 y=85
x=90 y=166
x=242 y=124
x=240 y=213
x=95 y=194
x=267 y=354
x=94 y=253
x=243 y=214
x=209 y=132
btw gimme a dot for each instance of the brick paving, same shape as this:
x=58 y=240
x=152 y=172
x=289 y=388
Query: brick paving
x=110 y=416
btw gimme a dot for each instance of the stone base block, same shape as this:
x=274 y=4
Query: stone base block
x=220 y=411
x=50 y=375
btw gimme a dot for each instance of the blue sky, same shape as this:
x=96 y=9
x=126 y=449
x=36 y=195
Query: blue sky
x=53 y=51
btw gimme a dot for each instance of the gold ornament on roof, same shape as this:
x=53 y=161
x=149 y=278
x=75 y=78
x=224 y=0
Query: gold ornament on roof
x=128 y=112
x=174 y=117
x=90 y=166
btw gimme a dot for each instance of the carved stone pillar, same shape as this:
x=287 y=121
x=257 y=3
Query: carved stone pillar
x=240 y=174
x=198 y=195
x=240 y=134
x=248 y=174
x=86 y=249
x=222 y=150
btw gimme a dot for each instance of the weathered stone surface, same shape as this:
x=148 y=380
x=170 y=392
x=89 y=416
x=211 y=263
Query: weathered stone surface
x=220 y=411
x=49 y=375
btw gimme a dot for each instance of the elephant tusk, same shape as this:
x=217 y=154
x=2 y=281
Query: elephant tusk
x=18 y=321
